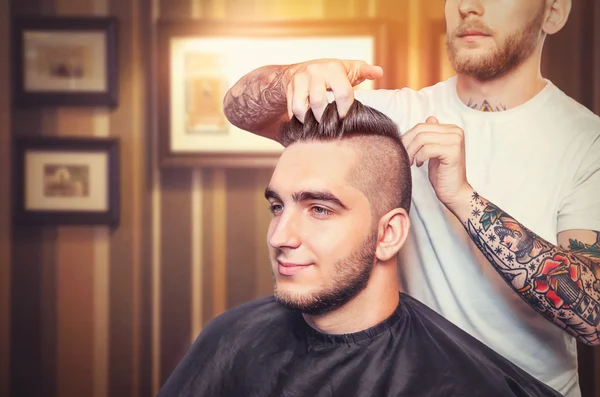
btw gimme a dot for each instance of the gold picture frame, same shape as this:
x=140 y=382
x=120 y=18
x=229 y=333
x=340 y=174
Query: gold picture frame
x=198 y=61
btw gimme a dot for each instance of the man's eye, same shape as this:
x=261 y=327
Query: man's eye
x=275 y=208
x=320 y=211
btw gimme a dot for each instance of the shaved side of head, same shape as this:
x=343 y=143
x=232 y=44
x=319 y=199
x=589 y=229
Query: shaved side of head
x=381 y=170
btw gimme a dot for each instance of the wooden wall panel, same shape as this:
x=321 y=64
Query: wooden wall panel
x=128 y=123
x=75 y=312
x=5 y=200
x=241 y=221
x=175 y=8
x=33 y=325
x=33 y=317
x=175 y=267
x=262 y=269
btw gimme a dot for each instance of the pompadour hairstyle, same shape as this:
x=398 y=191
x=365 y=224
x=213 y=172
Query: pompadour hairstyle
x=382 y=170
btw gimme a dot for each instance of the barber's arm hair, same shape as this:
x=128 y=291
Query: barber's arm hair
x=560 y=282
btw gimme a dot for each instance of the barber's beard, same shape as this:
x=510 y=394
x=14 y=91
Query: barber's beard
x=351 y=277
x=509 y=54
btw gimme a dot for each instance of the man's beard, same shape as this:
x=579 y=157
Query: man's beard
x=351 y=277
x=511 y=53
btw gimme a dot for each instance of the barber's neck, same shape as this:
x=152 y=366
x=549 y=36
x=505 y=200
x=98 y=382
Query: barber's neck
x=507 y=91
x=371 y=306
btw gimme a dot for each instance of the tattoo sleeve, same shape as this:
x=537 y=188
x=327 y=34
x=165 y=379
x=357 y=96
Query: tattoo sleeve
x=258 y=99
x=561 y=284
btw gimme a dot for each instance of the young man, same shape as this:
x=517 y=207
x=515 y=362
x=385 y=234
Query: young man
x=507 y=207
x=337 y=325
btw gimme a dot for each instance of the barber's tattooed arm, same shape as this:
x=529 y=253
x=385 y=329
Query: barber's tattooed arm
x=560 y=282
x=258 y=100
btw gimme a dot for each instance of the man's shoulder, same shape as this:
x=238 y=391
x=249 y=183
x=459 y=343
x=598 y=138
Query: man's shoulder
x=469 y=352
x=248 y=315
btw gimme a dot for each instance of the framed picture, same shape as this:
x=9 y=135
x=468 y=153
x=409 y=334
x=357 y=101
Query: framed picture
x=198 y=61
x=65 y=61
x=67 y=181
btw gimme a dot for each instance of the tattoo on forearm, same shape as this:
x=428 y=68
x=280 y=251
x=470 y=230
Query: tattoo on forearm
x=256 y=103
x=485 y=106
x=563 y=285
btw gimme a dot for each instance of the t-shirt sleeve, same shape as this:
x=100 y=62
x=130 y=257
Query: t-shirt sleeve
x=580 y=207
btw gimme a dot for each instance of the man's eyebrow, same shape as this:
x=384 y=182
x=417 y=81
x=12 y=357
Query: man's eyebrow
x=316 y=195
x=271 y=194
x=306 y=195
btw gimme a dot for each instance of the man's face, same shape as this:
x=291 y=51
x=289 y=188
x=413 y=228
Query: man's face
x=486 y=39
x=513 y=236
x=321 y=237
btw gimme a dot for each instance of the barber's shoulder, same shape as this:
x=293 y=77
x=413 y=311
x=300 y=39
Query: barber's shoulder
x=561 y=106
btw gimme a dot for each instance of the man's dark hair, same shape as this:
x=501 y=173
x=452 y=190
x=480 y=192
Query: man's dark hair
x=382 y=171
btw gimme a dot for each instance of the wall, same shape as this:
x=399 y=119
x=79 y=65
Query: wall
x=76 y=325
x=5 y=234
x=98 y=312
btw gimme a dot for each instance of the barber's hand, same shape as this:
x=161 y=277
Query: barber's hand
x=311 y=80
x=444 y=146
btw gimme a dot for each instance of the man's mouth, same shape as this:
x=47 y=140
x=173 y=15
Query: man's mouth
x=472 y=32
x=291 y=268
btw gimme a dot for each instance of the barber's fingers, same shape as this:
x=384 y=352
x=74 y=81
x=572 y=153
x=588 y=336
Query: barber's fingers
x=427 y=139
x=342 y=86
x=359 y=71
x=308 y=87
x=318 y=97
x=297 y=96
x=430 y=126
x=343 y=93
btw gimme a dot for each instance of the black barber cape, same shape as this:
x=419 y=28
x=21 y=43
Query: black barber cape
x=261 y=349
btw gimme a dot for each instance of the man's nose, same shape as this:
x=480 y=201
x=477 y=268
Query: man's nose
x=286 y=232
x=470 y=7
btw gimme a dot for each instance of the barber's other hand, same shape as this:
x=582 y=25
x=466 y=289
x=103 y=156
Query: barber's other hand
x=310 y=81
x=444 y=146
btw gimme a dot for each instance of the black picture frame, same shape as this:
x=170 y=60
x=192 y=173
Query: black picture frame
x=24 y=97
x=84 y=146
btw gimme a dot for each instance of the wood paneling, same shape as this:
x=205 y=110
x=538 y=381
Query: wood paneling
x=5 y=200
x=33 y=316
x=241 y=247
x=176 y=198
x=75 y=312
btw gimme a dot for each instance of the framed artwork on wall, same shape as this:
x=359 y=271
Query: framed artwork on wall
x=65 y=61
x=67 y=181
x=198 y=61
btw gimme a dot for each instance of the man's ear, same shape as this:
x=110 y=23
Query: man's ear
x=392 y=230
x=557 y=17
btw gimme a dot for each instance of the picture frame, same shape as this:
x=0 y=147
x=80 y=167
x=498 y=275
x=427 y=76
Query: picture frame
x=60 y=180
x=65 y=61
x=199 y=60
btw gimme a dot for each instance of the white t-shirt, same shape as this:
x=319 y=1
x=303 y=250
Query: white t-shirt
x=538 y=162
